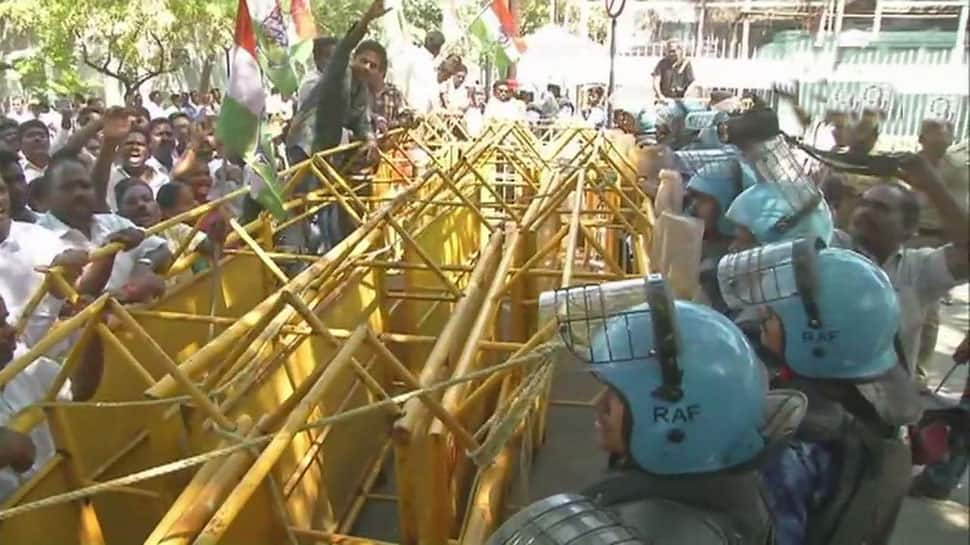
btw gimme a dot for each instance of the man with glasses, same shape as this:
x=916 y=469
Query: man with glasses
x=502 y=106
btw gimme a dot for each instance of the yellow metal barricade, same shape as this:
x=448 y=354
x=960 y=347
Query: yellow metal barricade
x=411 y=349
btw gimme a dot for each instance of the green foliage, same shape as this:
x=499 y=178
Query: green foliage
x=425 y=15
x=132 y=41
x=335 y=17
x=535 y=14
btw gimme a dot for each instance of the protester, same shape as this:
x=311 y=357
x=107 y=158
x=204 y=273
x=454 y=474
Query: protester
x=72 y=218
x=18 y=110
x=134 y=164
x=161 y=144
x=182 y=127
x=503 y=107
x=23 y=455
x=35 y=145
x=23 y=248
x=388 y=108
x=594 y=111
x=154 y=106
x=137 y=203
x=175 y=198
x=883 y=220
x=344 y=101
x=12 y=173
x=455 y=95
x=9 y=135
x=419 y=80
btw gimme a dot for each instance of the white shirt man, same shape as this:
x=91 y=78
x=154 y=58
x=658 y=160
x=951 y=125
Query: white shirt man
x=413 y=71
x=31 y=171
x=26 y=247
x=508 y=110
x=921 y=276
x=102 y=227
x=155 y=180
x=24 y=389
x=155 y=111
x=456 y=99
x=420 y=80
x=160 y=168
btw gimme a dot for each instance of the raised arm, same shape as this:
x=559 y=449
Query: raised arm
x=114 y=126
x=917 y=172
x=87 y=375
x=329 y=122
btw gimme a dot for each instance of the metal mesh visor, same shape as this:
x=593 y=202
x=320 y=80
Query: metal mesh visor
x=564 y=519
x=794 y=171
x=688 y=162
x=584 y=313
x=758 y=276
x=696 y=121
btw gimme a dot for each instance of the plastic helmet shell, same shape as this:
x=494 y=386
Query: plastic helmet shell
x=715 y=425
x=721 y=182
x=860 y=317
x=760 y=207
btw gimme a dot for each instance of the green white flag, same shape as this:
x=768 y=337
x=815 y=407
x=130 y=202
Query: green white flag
x=496 y=31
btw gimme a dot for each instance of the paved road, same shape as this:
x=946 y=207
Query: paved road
x=942 y=522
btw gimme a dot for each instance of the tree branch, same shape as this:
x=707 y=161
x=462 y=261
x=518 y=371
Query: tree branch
x=100 y=67
x=161 y=68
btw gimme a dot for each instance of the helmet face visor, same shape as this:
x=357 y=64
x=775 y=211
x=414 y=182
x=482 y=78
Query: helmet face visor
x=583 y=313
x=766 y=274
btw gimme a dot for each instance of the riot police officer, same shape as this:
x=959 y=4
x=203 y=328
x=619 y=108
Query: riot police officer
x=688 y=421
x=828 y=325
x=710 y=192
x=771 y=212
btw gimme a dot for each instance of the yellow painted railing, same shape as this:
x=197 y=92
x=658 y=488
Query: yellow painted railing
x=257 y=404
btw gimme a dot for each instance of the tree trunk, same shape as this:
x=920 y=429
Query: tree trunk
x=207 y=66
x=450 y=23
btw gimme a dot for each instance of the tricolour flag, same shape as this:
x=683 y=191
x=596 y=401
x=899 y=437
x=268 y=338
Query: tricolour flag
x=242 y=111
x=302 y=31
x=239 y=118
x=271 y=25
x=496 y=31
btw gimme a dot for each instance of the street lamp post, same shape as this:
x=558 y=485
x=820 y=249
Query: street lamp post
x=613 y=9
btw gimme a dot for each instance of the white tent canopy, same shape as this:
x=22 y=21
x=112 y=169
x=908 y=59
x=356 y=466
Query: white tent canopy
x=554 y=55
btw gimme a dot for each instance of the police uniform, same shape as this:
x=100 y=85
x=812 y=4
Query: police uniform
x=841 y=480
x=700 y=419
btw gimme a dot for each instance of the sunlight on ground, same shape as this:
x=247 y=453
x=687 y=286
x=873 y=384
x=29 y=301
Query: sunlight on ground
x=929 y=521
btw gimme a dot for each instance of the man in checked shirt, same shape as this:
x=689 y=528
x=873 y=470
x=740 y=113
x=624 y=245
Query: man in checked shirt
x=388 y=108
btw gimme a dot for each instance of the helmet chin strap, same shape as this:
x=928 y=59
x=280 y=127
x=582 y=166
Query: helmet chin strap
x=666 y=338
x=804 y=261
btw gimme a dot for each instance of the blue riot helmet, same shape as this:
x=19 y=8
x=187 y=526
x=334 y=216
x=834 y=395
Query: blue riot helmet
x=722 y=182
x=839 y=311
x=769 y=213
x=646 y=126
x=695 y=407
x=689 y=161
x=705 y=125
x=669 y=120
x=785 y=203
